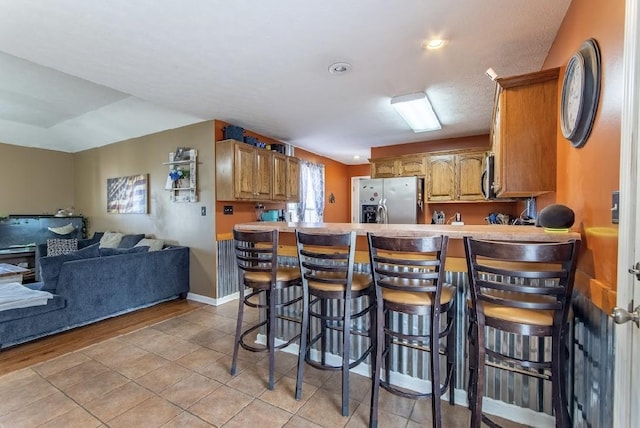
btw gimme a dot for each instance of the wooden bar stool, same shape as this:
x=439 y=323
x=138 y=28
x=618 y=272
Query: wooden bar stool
x=258 y=270
x=409 y=278
x=336 y=302
x=524 y=289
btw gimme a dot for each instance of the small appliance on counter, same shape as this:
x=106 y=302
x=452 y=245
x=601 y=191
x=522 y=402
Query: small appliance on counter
x=270 y=215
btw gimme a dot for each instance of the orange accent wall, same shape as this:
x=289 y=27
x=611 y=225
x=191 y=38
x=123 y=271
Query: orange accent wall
x=587 y=176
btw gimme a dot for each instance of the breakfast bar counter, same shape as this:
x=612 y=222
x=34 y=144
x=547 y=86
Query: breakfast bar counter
x=411 y=367
x=484 y=231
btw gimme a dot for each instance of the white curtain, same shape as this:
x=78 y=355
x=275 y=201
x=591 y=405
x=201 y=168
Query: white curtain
x=311 y=205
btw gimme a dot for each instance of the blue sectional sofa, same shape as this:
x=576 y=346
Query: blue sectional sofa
x=95 y=283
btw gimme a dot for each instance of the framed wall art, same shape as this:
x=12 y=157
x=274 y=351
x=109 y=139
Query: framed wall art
x=127 y=195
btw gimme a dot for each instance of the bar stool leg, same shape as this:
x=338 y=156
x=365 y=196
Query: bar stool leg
x=436 y=390
x=451 y=353
x=558 y=392
x=304 y=337
x=479 y=377
x=323 y=331
x=346 y=351
x=387 y=348
x=271 y=321
x=238 y=328
x=378 y=331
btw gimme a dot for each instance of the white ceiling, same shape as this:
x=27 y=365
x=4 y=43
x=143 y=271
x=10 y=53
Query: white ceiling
x=77 y=74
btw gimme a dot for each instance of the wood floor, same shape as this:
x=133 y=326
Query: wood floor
x=21 y=356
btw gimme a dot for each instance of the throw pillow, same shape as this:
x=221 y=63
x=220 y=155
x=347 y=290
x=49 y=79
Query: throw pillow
x=56 y=247
x=50 y=265
x=129 y=241
x=117 y=251
x=111 y=239
x=153 y=244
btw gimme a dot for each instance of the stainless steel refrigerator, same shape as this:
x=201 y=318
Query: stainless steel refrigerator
x=391 y=200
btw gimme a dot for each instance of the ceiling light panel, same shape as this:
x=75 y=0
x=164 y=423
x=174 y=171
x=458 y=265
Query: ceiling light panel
x=417 y=111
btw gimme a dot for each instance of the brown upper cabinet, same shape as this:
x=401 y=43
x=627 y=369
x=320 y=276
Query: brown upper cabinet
x=455 y=176
x=286 y=178
x=248 y=173
x=523 y=134
x=401 y=166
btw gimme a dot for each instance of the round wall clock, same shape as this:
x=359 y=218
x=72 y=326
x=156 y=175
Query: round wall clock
x=580 y=93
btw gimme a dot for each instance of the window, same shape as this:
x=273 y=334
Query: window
x=311 y=206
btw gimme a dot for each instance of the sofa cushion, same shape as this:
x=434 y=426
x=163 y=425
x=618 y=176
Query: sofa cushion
x=111 y=239
x=50 y=265
x=56 y=247
x=118 y=251
x=129 y=241
x=153 y=244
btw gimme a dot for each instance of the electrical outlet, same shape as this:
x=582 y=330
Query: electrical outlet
x=203 y=211
x=227 y=210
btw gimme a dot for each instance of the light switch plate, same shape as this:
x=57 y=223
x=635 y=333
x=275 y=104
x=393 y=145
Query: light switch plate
x=227 y=210
x=615 y=207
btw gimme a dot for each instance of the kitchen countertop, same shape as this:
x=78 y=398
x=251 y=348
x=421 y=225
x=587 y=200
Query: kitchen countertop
x=485 y=231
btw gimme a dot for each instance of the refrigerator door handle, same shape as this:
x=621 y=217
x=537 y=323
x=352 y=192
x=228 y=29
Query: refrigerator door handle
x=381 y=216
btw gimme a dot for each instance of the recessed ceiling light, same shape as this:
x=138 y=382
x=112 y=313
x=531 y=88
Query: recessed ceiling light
x=356 y=156
x=339 y=68
x=434 y=44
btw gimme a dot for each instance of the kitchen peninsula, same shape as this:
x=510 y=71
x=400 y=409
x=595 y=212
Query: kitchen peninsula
x=518 y=407
x=486 y=231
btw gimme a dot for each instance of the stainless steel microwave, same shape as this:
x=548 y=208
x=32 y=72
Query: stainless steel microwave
x=488 y=176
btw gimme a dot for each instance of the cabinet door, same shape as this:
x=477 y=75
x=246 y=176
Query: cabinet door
x=293 y=179
x=469 y=176
x=441 y=182
x=244 y=169
x=384 y=168
x=263 y=174
x=526 y=134
x=413 y=166
x=279 y=177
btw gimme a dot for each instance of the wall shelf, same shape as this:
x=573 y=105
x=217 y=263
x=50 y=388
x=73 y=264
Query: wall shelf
x=185 y=189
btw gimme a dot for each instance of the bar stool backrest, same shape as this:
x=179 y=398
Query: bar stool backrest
x=257 y=255
x=530 y=276
x=413 y=264
x=326 y=258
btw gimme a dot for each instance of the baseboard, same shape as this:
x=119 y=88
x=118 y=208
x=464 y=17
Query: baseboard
x=490 y=406
x=211 y=301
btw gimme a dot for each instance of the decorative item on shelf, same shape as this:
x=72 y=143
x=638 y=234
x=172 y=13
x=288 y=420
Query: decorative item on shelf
x=232 y=132
x=179 y=177
x=181 y=154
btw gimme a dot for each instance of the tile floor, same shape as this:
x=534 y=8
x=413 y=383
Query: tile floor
x=176 y=374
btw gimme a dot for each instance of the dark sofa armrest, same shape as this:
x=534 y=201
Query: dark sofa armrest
x=40 y=251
